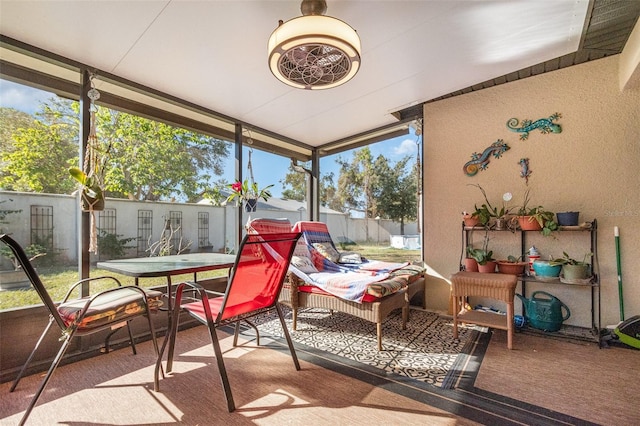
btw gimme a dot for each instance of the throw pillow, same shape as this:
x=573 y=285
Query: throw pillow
x=304 y=264
x=328 y=251
x=350 y=257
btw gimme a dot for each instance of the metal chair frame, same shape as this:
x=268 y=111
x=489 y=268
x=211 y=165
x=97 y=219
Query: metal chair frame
x=69 y=331
x=215 y=316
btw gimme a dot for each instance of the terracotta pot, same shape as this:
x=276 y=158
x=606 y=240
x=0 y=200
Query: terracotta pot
x=470 y=221
x=529 y=223
x=488 y=267
x=470 y=264
x=513 y=268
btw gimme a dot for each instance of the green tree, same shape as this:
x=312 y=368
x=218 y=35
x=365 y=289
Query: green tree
x=396 y=193
x=147 y=160
x=329 y=194
x=152 y=161
x=356 y=182
x=295 y=188
x=294 y=185
x=36 y=157
x=10 y=121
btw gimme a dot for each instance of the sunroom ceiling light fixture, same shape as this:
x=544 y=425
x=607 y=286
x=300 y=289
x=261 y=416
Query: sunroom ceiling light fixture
x=314 y=51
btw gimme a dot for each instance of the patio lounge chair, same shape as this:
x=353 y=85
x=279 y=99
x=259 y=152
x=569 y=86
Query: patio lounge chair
x=371 y=297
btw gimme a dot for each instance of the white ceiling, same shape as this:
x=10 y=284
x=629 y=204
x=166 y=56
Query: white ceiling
x=213 y=53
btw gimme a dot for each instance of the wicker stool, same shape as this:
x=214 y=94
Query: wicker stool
x=495 y=286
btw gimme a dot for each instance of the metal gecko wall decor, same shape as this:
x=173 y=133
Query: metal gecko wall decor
x=546 y=125
x=481 y=161
x=525 y=171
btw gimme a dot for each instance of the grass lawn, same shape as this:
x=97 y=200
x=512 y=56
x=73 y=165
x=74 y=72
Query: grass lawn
x=58 y=280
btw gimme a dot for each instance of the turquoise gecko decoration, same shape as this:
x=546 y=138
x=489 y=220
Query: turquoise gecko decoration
x=481 y=161
x=525 y=171
x=546 y=125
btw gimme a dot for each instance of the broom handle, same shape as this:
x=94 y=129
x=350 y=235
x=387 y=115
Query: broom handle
x=616 y=233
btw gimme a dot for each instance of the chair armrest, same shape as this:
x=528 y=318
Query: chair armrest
x=89 y=280
x=180 y=289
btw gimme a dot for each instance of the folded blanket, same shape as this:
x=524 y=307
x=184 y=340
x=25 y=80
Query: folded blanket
x=348 y=285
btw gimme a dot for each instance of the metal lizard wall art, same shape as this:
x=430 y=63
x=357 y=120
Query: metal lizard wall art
x=546 y=125
x=481 y=161
x=525 y=171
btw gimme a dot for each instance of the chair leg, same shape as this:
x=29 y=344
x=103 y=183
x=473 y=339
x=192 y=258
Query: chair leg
x=288 y=337
x=114 y=331
x=133 y=342
x=237 y=332
x=33 y=352
x=45 y=381
x=379 y=334
x=169 y=340
x=231 y=406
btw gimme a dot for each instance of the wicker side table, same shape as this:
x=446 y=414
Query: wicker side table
x=495 y=286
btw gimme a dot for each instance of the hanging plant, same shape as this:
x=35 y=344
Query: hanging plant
x=248 y=193
x=244 y=191
x=91 y=175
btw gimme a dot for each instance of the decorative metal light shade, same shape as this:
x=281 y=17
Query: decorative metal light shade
x=314 y=51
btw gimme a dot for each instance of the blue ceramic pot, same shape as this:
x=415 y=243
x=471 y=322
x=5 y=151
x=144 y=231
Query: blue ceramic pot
x=544 y=269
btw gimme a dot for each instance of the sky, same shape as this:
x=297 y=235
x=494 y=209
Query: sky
x=267 y=168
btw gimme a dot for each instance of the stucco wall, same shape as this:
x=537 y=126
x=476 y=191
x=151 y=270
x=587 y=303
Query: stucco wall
x=592 y=167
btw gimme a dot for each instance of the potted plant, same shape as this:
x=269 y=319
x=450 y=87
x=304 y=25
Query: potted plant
x=573 y=269
x=545 y=270
x=92 y=196
x=483 y=256
x=485 y=213
x=511 y=265
x=470 y=263
x=469 y=220
x=535 y=218
x=503 y=215
x=248 y=193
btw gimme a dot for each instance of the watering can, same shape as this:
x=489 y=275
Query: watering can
x=544 y=313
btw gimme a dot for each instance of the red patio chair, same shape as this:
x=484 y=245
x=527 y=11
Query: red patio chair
x=253 y=288
x=109 y=309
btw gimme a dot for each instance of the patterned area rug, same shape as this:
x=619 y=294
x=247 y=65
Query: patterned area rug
x=426 y=351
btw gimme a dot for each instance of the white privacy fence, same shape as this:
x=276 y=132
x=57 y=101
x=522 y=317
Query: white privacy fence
x=207 y=227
